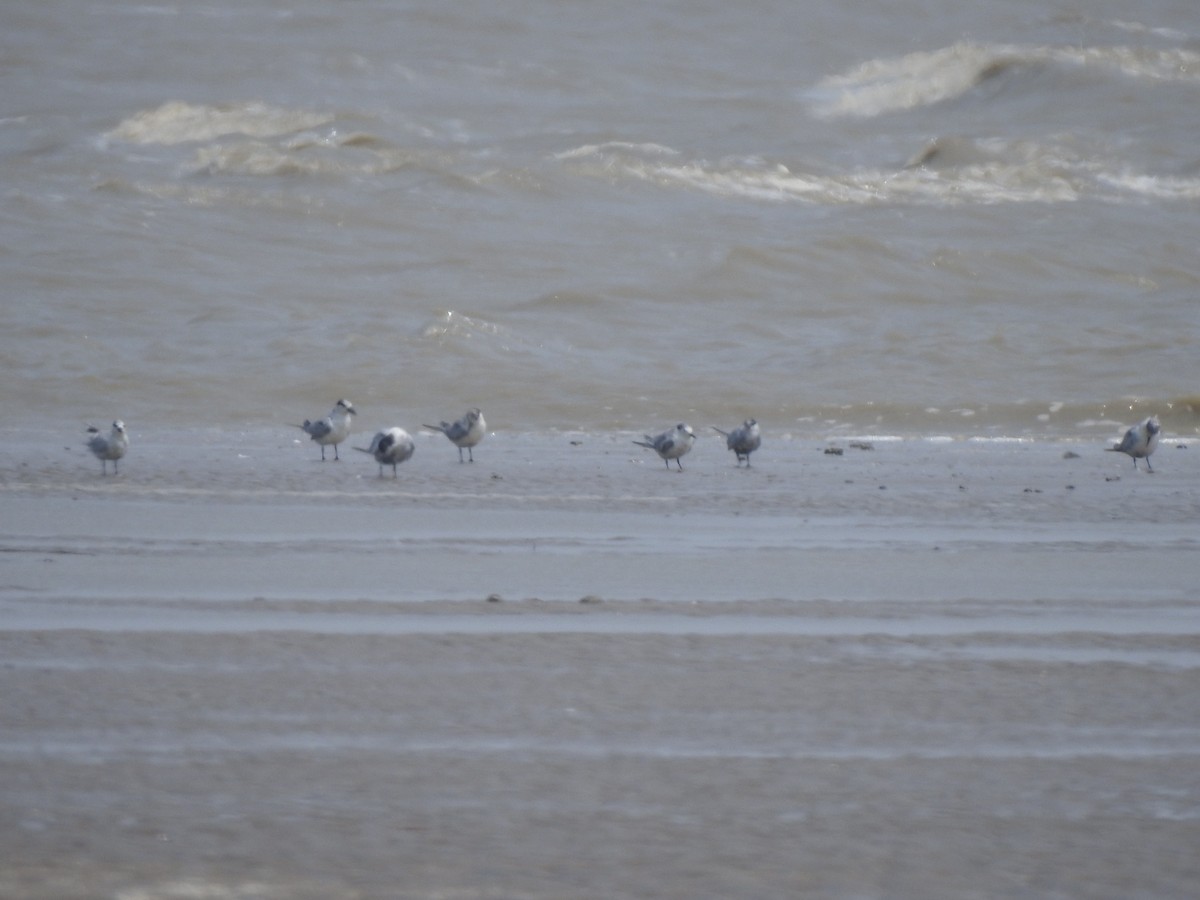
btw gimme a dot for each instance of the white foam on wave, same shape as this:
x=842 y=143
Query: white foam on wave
x=255 y=139
x=946 y=172
x=1027 y=176
x=1000 y=439
x=1171 y=34
x=180 y=123
x=253 y=158
x=1153 y=187
x=588 y=150
x=918 y=79
x=452 y=324
x=925 y=78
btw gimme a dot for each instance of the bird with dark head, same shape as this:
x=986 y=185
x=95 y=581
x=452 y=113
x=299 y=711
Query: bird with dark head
x=743 y=440
x=390 y=447
x=1140 y=441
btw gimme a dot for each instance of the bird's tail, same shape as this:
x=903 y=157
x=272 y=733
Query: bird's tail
x=363 y=450
x=644 y=444
x=441 y=428
x=307 y=422
x=719 y=431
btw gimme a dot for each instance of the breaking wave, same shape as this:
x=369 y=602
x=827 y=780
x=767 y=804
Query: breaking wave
x=925 y=78
x=181 y=123
x=946 y=171
x=256 y=139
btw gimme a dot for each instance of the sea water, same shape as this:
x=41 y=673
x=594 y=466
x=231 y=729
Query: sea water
x=918 y=218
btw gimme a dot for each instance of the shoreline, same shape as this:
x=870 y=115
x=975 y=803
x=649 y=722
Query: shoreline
x=548 y=520
x=576 y=466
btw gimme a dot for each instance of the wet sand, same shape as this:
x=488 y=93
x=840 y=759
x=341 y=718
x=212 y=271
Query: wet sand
x=920 y=670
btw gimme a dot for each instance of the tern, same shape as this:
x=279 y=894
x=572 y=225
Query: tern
x=742 y=441
x=390 y=447
x=465 y=433
x=672 y=444
x=333 y=429
x=1140 y=441
x=111 y=447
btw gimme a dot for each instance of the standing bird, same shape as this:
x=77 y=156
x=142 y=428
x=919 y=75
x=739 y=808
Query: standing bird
x=671 y=445
x=333 y=429
x=742 y=441
x=466 y=432
x=390 y=448
x=1140 y=441
x=112 y=447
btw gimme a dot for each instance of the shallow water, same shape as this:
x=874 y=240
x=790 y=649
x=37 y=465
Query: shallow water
x=622 y=763
x=251 y=673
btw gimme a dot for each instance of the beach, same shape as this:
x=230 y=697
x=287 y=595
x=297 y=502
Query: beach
x=934 y=641
x=914 y=669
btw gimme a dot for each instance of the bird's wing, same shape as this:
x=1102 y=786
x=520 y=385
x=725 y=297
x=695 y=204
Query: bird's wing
x=319 y=429
x=1128 y=442
x=747 y=438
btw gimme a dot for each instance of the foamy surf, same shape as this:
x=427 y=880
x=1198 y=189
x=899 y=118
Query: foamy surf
x=921 y=79
x=948 y=171
x=180 y=123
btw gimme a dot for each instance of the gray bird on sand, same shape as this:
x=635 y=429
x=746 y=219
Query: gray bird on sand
x=333 y=429
x=672 y=444
x=465 y=433
x=390 y=447
x=742 y=441
x=1140 y=441
x=108 y=447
